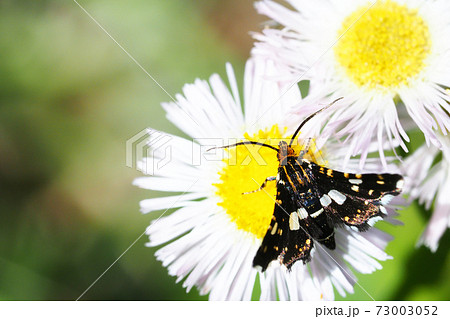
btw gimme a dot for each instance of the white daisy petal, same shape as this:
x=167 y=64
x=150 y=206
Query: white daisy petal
x=152 y=204
x=183 y=171
x=179 y=223
x=167 y=185
x=429 y=183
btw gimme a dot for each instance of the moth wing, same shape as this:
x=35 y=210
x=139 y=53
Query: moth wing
x=354 y=199
x=285 y=238
x=318 y=225
x=275 y=237
x=299 y=246
x=367 y=186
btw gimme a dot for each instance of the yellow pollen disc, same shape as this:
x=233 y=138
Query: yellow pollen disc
x=246 y=168
x=383 y=47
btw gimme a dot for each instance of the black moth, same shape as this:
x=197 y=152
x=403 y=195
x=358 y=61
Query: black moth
x=312 y=199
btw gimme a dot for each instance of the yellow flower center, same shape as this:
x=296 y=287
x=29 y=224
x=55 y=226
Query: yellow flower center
x=247 y=166
x=384 y=46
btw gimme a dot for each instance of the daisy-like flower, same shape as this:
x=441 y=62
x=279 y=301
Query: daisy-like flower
x=211 y=239
x=386 y=57
x=430 y=182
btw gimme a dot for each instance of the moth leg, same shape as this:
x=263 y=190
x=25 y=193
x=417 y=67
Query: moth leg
x=304 y=151
x=270 y=178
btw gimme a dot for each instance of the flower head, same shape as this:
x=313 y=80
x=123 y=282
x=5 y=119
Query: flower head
x=211 y=239
x=390 y=59
x=430 y=183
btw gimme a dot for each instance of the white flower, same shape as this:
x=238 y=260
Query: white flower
x=386 y=58
x=211 y=240
x=431 y=183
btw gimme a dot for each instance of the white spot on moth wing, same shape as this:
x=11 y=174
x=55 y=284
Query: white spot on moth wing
x=400 y=184
x=317 y=213
x=373 y=220
x=312 y=252
x=325 y=200
x=258 y=268
x=278 y=177
x=281 y=182
x=386 y=199
x=337 y=196
x=302 y=213
x=274 y=229
x=294 y=222
x=355 y=181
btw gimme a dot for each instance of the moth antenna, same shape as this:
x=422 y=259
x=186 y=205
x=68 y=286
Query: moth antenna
x=244 y=143
x=310 y=117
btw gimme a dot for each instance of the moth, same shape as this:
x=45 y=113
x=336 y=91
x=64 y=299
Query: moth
x=312 y=200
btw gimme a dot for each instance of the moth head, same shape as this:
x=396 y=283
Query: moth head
x=284 y=151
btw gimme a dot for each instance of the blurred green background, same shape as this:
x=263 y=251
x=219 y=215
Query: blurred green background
x=69 y=100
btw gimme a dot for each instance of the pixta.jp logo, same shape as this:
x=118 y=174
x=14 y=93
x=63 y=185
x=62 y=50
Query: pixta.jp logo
x=148 y=151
